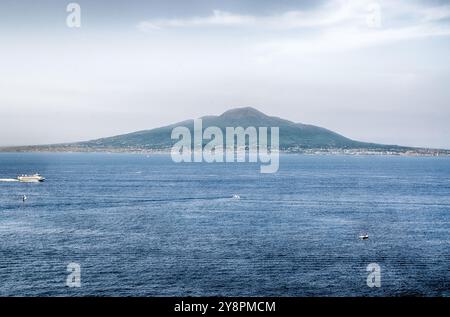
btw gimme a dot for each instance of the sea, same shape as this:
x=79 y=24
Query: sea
x=143 y=225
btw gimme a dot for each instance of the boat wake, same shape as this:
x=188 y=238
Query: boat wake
x=8 y=180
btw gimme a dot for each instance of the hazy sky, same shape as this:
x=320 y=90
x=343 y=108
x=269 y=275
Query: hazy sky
x=137 y=65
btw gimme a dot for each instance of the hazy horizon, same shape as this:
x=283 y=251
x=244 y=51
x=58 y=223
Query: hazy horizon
x=139 y=65
x=171 y=123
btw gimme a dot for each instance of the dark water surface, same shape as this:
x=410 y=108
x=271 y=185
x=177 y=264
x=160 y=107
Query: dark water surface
x=146 y=226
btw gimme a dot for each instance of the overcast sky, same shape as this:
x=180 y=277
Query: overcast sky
x=137 y=65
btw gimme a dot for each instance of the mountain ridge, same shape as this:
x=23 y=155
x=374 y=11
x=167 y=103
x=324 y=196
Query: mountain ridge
x=292 y=134
x=294 y=137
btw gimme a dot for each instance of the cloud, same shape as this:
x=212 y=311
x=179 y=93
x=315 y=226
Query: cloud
x=218 y=18
x=331 y=13
x=328 y=15
x=337 y=24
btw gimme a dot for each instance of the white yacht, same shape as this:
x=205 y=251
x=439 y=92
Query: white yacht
x=364 y=236
x=30 y=178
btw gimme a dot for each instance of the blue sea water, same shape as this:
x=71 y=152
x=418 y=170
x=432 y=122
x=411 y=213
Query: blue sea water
x=144 y=226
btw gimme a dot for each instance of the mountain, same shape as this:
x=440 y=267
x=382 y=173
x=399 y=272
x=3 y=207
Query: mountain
x=291 y=134
x=294 y=137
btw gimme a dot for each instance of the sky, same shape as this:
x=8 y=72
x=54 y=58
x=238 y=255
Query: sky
x=375 y=71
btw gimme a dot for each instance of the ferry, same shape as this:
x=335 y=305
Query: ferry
x=30 y=178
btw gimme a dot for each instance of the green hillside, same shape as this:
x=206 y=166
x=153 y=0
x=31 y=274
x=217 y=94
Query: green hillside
x=292 y=135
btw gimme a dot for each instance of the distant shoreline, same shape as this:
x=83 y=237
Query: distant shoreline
x=305 y=151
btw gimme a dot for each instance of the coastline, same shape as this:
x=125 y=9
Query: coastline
x=420 y=152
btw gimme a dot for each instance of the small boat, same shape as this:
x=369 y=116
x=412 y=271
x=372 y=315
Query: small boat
x=30 y=178
x=236 y=197
x=364 y=237
x=24 y=198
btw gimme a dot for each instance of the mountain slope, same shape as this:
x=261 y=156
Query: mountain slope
x=292 y=135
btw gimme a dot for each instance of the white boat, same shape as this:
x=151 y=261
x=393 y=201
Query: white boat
x=30 y=178
x=364 y=236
